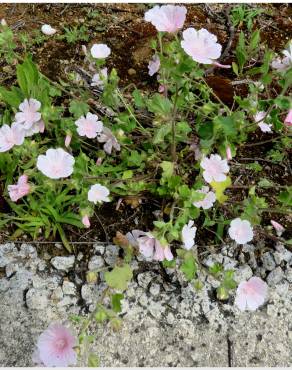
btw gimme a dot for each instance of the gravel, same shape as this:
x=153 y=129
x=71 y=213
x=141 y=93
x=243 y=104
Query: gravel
x=166 y=322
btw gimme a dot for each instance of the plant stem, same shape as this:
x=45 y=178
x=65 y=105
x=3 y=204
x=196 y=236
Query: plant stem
x=173 y=121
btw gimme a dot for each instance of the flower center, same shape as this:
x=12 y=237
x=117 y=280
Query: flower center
x=61 y=344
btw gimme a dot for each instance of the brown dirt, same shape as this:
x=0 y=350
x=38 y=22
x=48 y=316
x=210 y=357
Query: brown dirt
x=121 y=26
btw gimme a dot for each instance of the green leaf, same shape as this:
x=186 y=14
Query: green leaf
x=119 y=277
x=235 y=68
x=167 y=169
x=160 y=105
x=189 y=266
x=78 y=108
x=220 y=187
x=160 y=134
x=138 y=99
x=93 y=360
x=116 y=302
x=254 y=40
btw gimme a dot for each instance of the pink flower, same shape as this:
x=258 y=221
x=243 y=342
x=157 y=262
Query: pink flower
x=56 y=163
x=240 y=231
x=20 y=190
x=98 y=161
x=162 y=252
x=28 y=114
x=98 y=194
x=100 y=51
x=278 y=227
x=251 y=294
x=188 y=234
x=285 y=63
x=259 y=119
x=10 y=136
x=133 y=237
x=288 y=119
x=55 y=347
x=89 y=126
x=85 y=221
x=201 y=45
x=209 y=199
x=99 y=78
x=161 y=88
x=35 y=128
x=151 y=247
x=109 y=139
x=228 y=153
x=215 y=168
x=166 y=18
x=68 y=140
x=154 y=65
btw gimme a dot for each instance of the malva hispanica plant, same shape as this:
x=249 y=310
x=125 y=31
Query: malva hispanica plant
x=60 y=162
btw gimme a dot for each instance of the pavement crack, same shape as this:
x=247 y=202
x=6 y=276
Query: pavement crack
x=229 y=351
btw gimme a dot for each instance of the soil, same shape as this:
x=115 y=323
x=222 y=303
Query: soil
x=121 y=26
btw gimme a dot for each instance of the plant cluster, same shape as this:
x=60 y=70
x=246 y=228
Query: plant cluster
x=59 y=162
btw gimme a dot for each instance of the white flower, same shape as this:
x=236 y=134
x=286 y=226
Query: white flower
x=166 y=18
x=99 y=78
x=201 y=45
x=251 y=294
x=154 y=65
x=28 y=114
x=98 y=193
x=208 y=201
x=56 y=163
x=188 y=235
x=48 y=30
x=283 y=64
x=109 y=139
x=240 y=231
x=89 y=126
x=215 y=168
x=288 y=52
x=100 y=51
x=259 y=119
x=10 y=136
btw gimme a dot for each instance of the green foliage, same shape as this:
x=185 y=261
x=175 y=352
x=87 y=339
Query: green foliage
x=119 y=277
x=75 y=34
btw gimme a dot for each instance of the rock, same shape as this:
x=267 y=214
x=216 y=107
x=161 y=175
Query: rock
x=95 y=263
x=50 y=283
x=275 y=276
x=98 y=248
x=11 y=268
x=170 y=318
x=243 y=273
x=37 y=299
x=145 y=278
x=288 y=275
x=155 y=289
x=63 y=263
x=7 y=254
x=268 y=261
x=57 y=294
x=69 y=288
x=80 y=256
x=89 y=293
x=42 y=265
x=282 y=254
x=143 y=300
x=27 y=251
x=111 y=254
x=67 y=301
x=156 y=309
